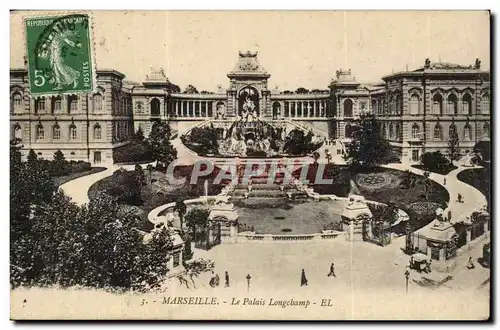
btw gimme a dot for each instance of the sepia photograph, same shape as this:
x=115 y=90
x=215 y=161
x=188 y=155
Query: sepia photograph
x=250 y=165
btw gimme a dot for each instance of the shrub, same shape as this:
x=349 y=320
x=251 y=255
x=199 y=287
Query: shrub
x=436 y=162
x=133 y=152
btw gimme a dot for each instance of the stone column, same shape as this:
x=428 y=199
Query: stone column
x=176 y=108
x=314 y=108
x=199 y=108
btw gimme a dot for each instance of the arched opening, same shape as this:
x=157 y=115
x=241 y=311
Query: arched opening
x=414 y=104
x=97 y=102
x=248 y=103
x=72 y=132
x=415 y=131
x=452 y=131
x=486 y=129
x=56 y=132
x=17 y=132
x=56 y=104
x=72 y=103
x=155 y=107
x=40 y=132
x=97 y=132
x=438 y=132
x=485 y=104
x=437 y=104
x=40 y=105
x=452 y=104
x=276 y=110
x=467 y=133
x=467 y=104
x=17 y=102
x=348 y=108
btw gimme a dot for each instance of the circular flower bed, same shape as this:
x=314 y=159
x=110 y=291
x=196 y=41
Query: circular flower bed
x=424 y=207
x=376 y=181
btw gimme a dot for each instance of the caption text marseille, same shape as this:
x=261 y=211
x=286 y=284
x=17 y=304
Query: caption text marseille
x=245 y=302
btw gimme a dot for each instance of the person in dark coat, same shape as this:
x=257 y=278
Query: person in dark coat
x=303 y=279
x=332 y=270
x=226 y=277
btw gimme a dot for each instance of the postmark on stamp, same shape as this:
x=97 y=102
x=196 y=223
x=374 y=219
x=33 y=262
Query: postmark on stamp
x=59 y=52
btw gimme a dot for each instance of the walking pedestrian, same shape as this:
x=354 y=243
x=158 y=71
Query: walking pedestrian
x=444 y=181
x=217 y=279
x=303 y=279
x=332 y=270
x=226 y=277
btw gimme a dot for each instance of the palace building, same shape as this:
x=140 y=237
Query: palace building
x=418 y=110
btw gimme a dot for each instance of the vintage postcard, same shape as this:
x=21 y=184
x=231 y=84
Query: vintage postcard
x=250 y=165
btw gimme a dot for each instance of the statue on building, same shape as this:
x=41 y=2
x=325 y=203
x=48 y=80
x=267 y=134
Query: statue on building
x=477 y=64
x=427 y=63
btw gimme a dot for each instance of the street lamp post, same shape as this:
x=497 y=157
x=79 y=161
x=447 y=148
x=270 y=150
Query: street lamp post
x=407 y=276
x=248 y=282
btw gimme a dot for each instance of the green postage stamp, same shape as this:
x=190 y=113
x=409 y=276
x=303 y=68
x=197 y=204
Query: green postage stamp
x=59 y=52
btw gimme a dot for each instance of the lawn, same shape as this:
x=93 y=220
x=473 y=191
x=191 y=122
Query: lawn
x=59 y=180
x=479 y=178
x=386 y=186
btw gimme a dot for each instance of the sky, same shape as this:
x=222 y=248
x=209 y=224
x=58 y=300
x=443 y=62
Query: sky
x=298 y=48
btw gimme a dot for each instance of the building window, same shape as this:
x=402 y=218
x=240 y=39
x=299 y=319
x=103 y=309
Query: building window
x=375 y=106
x=397 y=105
x=40 y=105
x=177 y=259
x=56 y=132
x=414 y=104
x=437 y=104
x=438 y=132
x=485 y=104
x=452 y=131
x=415 y=130
x=17 y=101
x=40 y=132
x=415 y=155
x=348 y=108
x=486 y=129
x=391 y=131
x=72 y=103
x=56 y=103
x=452 y=104
x=17 y=132
x=155 y=107
x=72 y=132
x=97 y=102
x=467 y=104
x=348 y=131
x=467 y=132
x=97 y=132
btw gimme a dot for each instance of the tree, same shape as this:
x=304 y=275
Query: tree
x=190 y=89
x=59 y=167
x=139 y=174
x=138 y=135
x=181 y=209
x=302 y=90
x=196 y=217
x=162 y=149
x=435 y=162
x=368 y=148
x=175 y=89
x=32 y=157
x=484 y=148
x=453 y=146
x=298 y=143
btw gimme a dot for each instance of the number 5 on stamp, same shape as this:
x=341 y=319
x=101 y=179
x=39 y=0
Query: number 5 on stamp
x=59 y=51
